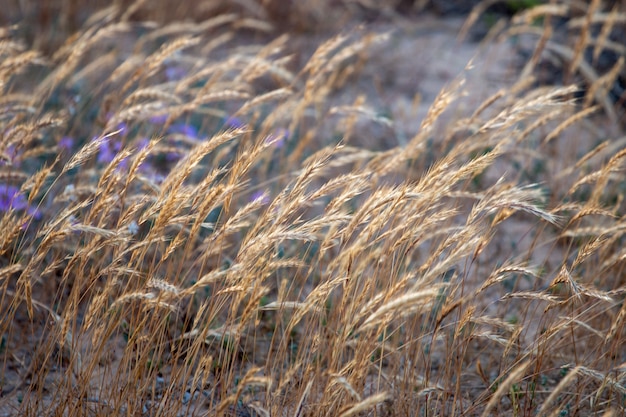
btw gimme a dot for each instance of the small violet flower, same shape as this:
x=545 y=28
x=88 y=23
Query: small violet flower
x=34 y=213
x=234 y=123
x=142 y=143
x=157 y=178
x=11 y=153
x=66 y=143
x=260 y=197
x=184 y=129
x=278 y=138
x=175 y=73
x=172 y=156
x=74 y=223
x=159 y=120
x=108 y=150
x=123 y=128
x=11 y=198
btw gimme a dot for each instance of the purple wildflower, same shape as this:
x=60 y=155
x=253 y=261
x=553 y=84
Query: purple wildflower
x=123 y=164
x=185 y=129
x=11 y=153
x=74 y=222
x=142 y=143
x=159 y=120
x=108 y=150
x=34 y=213
x=278 y=138
x=234 y=123
x=66 y=143
x=172 y=156
x=123 y=128
x=158 y=178
x=175 y=73
x=11 y=198
x=260 y=197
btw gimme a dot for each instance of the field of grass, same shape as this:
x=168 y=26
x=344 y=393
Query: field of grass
x=192 y=225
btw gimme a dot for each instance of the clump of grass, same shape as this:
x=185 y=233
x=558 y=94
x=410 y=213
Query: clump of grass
x=183 y=236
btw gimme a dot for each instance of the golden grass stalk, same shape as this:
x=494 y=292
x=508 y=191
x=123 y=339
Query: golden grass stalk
x=503 y=387
x=366 y=404
x=358 y=281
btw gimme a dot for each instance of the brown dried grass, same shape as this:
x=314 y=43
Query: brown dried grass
x=359 y=282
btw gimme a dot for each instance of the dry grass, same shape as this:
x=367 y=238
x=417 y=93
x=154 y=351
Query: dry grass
x=181 y=234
